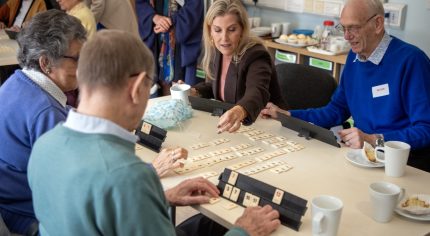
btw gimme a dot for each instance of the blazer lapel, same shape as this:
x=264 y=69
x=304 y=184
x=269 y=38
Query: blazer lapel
x=231 y=83
x=217 y=73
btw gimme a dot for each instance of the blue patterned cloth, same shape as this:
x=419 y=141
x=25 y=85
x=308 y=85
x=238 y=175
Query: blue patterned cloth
x=168 y=114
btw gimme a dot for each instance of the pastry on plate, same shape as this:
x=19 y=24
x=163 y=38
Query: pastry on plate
x=284 y=37
x=292 y=38
x=417 y=204
x=369 y=152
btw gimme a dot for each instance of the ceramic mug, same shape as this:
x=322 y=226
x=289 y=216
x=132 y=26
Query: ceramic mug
x=384 y=197
x=396 y=155
x=276 y=30
x=285 y=28
x=326 y=213
x=180 y=91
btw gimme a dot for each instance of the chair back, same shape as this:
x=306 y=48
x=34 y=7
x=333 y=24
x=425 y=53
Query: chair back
x=4 y=231
x=304 y=86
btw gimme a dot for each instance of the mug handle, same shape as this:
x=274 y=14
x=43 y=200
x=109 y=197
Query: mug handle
x=401 y=195
x=316 y=223
x=376 y=154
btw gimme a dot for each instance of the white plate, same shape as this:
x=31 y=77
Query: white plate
x=330 y=53
x=261 y=31
x=412 y=216
x=355 y=157
x=297 y=45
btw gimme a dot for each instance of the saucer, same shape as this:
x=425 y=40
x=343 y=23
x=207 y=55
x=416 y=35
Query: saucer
x=354 y=156
x=412 y=216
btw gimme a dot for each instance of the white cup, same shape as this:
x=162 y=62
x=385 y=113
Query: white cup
x=326 y=212
x=396 y=155
x=256 y=21
x=180 y=91
x=276 y=30
x=251 y=22
x=285 y=28
x=384 y=197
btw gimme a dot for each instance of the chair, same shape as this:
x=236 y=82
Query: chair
x=304 y=86
x=4 y=231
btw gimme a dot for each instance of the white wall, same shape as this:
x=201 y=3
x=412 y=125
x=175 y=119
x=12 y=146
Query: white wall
x=416 y=29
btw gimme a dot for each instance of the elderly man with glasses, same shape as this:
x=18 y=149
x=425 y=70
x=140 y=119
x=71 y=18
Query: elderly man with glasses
x=384 y=86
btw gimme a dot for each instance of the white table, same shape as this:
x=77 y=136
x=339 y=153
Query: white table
x=318 y=169
x=8 y=50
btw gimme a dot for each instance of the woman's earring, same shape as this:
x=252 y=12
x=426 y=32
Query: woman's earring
x=48 y=71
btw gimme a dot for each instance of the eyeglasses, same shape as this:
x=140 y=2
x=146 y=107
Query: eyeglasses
x=76 y=58
x=353 y=29
x=146 y=77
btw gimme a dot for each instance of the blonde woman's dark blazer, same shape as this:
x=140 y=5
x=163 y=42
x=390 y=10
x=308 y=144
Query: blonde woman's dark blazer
x=251 y=83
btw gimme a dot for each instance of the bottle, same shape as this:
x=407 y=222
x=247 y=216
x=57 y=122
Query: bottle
x=317 y=33
x=326 y=35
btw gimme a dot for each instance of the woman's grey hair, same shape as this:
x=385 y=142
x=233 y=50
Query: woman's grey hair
x=48 y=34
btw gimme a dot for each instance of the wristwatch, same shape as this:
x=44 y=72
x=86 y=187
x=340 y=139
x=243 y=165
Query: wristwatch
x=379 y=142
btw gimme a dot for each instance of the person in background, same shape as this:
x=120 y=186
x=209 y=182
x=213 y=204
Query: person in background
x=114 y=14
x=384 y=86
x=172 y=29
x=14 y=13
x=78 y=9
x=33 y=102
x=108 y=189
x=238 y=67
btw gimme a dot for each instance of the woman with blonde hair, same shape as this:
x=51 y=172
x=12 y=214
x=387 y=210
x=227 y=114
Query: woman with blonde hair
x=238 y=67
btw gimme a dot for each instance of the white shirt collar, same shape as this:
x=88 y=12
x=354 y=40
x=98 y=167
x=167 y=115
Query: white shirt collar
x=379 y=52
x=46 y=84
x=96 y=125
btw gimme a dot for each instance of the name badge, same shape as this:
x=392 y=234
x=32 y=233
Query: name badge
x=380 y=90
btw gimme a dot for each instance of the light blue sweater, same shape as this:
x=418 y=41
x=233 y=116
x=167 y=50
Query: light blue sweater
x=94 y=184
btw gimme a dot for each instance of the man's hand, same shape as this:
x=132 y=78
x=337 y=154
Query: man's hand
x=258 y=221
x=232 y=119
x=191 y=192
x=352 y=137
x=271 y=110
x=162 y=23
x=168 y=159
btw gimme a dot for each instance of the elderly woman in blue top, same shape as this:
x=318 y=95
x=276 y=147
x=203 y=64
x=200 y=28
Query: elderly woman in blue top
x=33 y=102
x=385 y=87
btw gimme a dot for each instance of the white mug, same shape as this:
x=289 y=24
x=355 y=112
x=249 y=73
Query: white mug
x=276 y=30
x=285 y=27
x=256 y=21
x=384 y=197
x=251 y=22
x=396 y=155
x=180 y=91
x=326 y=212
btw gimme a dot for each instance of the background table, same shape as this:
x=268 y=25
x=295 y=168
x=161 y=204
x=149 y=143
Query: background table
x=319 y=169
x=8 y=50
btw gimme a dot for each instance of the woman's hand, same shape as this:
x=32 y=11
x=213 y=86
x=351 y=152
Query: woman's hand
x=271 y=110
x=232 y=119
x=169 y=159
x=163 y=23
